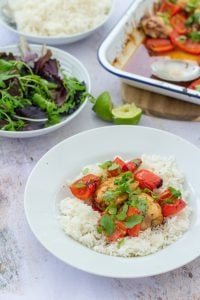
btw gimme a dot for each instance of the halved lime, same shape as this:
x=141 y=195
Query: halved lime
x=128 y=114
x=103 y=107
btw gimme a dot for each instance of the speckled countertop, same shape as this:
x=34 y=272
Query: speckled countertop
x=27 y=270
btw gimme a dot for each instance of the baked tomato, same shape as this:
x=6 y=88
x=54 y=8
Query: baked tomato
x=159 y=45
x=185 y=44
x=195 y=84
x=178 y=23
x=85 y=187
x=169 y=8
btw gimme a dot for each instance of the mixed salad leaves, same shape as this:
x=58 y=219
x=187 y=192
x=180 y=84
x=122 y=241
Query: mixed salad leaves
x=127 y=197
x=35 y=92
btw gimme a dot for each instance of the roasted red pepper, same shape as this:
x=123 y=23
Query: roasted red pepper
x=148 y=179
x=132 y=165
x=170 y=209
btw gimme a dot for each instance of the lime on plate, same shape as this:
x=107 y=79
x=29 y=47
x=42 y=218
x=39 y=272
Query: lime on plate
x=128 y=114
x=103 y=107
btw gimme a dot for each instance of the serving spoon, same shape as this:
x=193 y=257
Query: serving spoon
x=175 y=70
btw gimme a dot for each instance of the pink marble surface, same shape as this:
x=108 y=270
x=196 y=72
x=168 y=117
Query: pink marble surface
x=27 y=270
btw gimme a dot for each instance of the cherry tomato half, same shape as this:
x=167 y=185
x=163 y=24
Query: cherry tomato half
x=85 y=187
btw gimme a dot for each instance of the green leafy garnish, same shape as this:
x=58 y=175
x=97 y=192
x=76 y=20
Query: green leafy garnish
x=86 y=171
x=108 y=224
x=195 y=18
x=175 y=193
x=105 y=165
x=79 y=185
x=122 y=213
x=120 y=243
x=133 y=220
x=113 y=167
x=195 y=36
x=140 y=203
x=167 y=201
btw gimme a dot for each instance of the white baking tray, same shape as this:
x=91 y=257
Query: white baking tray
x=114 y=43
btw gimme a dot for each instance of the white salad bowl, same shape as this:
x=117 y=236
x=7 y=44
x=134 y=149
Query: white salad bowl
x=53 y=40
x=64 y=161
x=70 y=66
x=113 y=45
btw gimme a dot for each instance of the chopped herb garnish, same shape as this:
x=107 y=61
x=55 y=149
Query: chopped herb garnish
x=195 y=36
x=182 y=38
x=136 y=161
x=167 y=201
x=108 y=224
x=133 y=220
x=139 y=203
x=120 y=243
x=113 y=167
x=79 y=185
x=112 y=210
x=175 y=193
x=106 y=164
x=123 y=212
x=110 y=195
x=86 y=171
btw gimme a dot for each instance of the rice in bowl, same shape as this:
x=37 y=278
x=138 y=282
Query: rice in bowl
x=79 y=220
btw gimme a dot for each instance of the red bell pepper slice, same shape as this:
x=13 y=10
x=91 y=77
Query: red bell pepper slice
x=148 y=179
x=170 y=209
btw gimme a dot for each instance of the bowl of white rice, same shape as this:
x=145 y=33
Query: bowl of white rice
x=66 y=226
x=55 y=22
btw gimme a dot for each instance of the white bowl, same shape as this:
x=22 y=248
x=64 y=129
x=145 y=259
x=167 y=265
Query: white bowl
x=54 y=40
x=70 y=66
x=114 y=43
x=65 y=160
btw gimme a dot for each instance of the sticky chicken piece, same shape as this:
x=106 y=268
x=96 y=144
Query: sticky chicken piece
x=107 y=185
x=155 y=27
x=153 y=215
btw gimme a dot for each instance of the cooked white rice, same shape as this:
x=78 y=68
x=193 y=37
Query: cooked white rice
x=57 y=18
x=79 y=220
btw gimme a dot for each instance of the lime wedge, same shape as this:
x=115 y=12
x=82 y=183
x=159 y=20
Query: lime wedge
x=128 y=114
x=103 y=107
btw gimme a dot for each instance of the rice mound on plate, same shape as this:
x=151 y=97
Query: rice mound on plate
x=79 y=220
x=57 y=18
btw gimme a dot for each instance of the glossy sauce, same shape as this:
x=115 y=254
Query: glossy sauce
x=141 y=60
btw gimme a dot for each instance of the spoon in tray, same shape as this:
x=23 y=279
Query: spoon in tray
x=175 y=70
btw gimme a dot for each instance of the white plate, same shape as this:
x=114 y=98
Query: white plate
x=65 y=160
x=114 y=43
x=54 y=40
x=70 y=66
